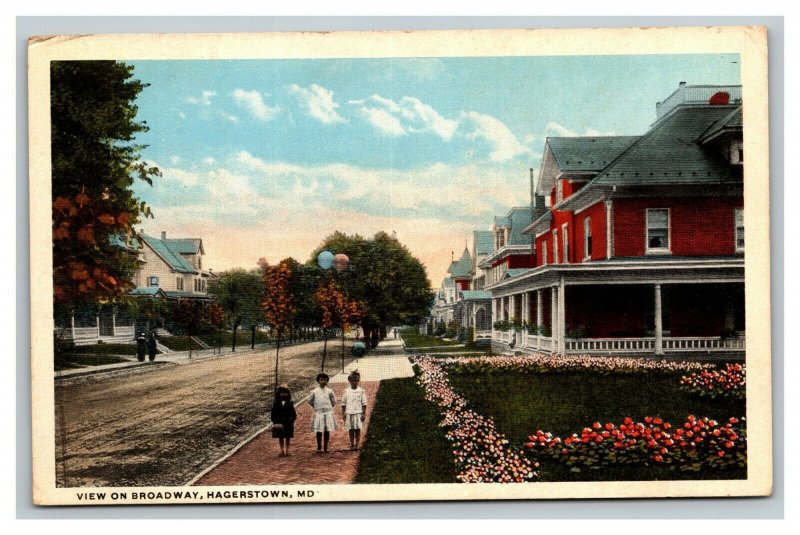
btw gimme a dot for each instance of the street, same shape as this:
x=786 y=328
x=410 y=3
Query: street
x=162 y=427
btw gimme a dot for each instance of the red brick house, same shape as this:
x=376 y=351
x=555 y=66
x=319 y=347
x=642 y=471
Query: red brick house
x=641 y=247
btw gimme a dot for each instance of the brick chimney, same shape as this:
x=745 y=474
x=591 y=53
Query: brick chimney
x=163 y=234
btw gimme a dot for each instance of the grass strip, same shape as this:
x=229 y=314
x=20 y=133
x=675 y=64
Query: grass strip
x=404 y=442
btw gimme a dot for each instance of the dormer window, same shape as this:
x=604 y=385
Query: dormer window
x=739 y=224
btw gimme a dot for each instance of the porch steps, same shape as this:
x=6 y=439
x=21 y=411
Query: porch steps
x=200 y=342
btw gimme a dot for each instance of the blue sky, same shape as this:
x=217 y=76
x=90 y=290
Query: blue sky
x=267 y=157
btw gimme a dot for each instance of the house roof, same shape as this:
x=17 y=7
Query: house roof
x=731 y=122
x=462 y=266
x=587 y=154
x=118 y=240
x=185 y=245
x=475 y=295
x=500 y=221
x=520 y=218
x=484 y=242
x=447 y=282
x=514 y=272
x=151 y=291
x=670 y=153
x=172 y=258
x=188 y=295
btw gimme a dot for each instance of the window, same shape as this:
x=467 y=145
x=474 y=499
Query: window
x=152 y=281
x=501 y=238
x=587 y=238
x=739 y=223
x=658 y=230
x=559 y=191
x=544 y=252
x=565 y=243
x=555 y=246
x=179 y=284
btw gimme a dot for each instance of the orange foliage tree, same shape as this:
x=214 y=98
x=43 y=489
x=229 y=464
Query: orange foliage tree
x=332 y=303
x=279 y=309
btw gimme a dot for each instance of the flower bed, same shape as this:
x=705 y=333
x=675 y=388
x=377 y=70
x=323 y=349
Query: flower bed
x=697 y=443
x=539 y=363
x=481 y=452
x=711 y=383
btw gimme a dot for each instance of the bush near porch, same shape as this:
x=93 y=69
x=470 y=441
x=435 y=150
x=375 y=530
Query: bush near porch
x=69 y=361
x=412 y=339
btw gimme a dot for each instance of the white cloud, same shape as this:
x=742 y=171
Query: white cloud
x=177 y=176
x=175 y=159
x=181 y=114
x=203 y=100
x=409 y=115
x=504 y=143
x=209 y=160
x=318 y=103
x=253 y=101
x=563 y=131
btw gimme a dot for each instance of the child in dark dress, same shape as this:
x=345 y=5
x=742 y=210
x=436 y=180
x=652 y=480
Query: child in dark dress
x=283 y=417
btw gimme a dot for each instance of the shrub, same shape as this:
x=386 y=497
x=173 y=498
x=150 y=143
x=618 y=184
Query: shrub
x=728 y=383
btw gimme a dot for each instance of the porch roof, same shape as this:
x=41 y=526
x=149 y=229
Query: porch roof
x=150 y=291
x=475 y=295
x=187 y=295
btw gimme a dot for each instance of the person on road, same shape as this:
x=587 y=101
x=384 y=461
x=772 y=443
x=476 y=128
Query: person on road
x=354 y=409
x=283 y=415
x=323 y=400
x=152 y=347
x=141 y=347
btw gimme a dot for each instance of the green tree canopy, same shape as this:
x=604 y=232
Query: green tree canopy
x=239 y=293
x=384 y=276
x=95 y=160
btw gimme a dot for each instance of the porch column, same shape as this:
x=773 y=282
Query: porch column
x=609 y=231
x=113 y=323
x=659 y=335
x=97 y=324
x=512 y=305
x=72 y=326
x=562 y=317
x=524 y=333
x=538 y=318
x=554 y=318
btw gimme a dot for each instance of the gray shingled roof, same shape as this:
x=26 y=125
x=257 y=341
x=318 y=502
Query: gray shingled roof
x=184 y=245
x=462 y=267
x=475 y=295
x=175 y=260
x=732 y=121
x=520 y=218
x=516 y=271
x=484 y=242
x=587 y=154
x=670 y=153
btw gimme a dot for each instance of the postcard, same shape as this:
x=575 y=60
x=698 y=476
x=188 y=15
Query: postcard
x=393 y=266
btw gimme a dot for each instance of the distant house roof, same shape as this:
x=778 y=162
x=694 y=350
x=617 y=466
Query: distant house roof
x=500 y=221
x=171 y=257
x=520 y=218
x=131 y=245
x=189 y=295
x=462 y=266
x=587 y=154
x=670 y=154
x=151 y=291
x=475 y=295
x=447 y=282
x=484 y=242
x=185 y=245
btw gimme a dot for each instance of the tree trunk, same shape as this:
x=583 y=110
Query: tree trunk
x=277 y=359
x=233 y=343
x=342 y=350
x=324 y=348
x=383 y=332
x=253 y=337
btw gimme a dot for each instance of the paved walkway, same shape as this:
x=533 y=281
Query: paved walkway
x=256 y=461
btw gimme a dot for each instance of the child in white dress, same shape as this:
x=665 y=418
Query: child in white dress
x=323 y=400
x=354 y=409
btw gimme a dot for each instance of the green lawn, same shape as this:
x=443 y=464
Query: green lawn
x=104 y=349
x=404 y=442
x=70 y=361
x=413 y=340
x=565 y=402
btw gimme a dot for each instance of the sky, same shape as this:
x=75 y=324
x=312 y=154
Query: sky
x=265 y=158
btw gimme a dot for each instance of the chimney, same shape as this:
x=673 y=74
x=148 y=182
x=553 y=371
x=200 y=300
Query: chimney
x=163 y=235
x=681 y=84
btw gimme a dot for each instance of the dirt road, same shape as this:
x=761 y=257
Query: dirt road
x=164 y=426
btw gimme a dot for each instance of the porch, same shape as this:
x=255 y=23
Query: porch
x=573 y=311
x=107 y=325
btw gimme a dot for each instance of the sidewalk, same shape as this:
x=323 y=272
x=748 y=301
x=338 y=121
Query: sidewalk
x=166 y=359
x=256 y=461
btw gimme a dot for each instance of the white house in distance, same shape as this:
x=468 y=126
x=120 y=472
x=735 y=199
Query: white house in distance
x=168 y=269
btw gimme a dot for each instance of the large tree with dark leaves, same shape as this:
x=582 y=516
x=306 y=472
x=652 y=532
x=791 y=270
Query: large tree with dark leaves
x=95 y=160
x=384 y=278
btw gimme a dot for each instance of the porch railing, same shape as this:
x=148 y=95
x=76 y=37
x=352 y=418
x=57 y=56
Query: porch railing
x=480 y=335
x=703 y=344
x=669 y=344
x=691 y=94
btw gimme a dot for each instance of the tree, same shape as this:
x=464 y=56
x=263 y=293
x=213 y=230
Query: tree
x=385 y=277
x=332 y=303
x=240 y=293
x=95 y=161
x=192 y=316
x=279 y=311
